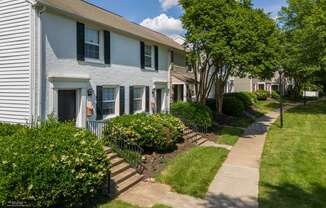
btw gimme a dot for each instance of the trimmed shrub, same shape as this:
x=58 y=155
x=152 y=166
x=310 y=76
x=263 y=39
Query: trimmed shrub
x=193 y=114
x=9 y=129
x=152 y=132
x=262 y=94
x=244 y=97
x=233 y=106
x=275 y=95
x=53 y=165
x=253 y=97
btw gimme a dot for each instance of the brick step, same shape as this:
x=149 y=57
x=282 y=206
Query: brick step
x=107 y=150
x=187 y=131
x=124 y=175
x=195 y=138
x=119 y=168
x=201 y=141
x=189 y=136
x=112 y=155
x=116 y=161
x=127 y=184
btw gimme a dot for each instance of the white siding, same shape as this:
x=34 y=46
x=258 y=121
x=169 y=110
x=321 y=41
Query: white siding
x=15 y=61
x=59 y=35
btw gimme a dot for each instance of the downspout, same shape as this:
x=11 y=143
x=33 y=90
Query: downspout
x=39 y=39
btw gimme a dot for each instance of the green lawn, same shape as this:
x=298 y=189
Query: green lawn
x=192 y=171
x=267 y=105
x=120 y=204
x=293 y=171
x=229 y=135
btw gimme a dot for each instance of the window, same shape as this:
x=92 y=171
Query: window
x=138 y=98
x=92 y=43
x=148 y=56
x=261 y=86
x=109 y=95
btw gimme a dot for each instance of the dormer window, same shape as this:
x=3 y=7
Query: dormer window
x=92 y=43
x=148 y=56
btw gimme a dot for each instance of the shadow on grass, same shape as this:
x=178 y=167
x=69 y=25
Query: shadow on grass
x=290 y=195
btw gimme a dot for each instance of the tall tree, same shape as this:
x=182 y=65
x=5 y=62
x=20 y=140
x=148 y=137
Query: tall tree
x=236 y=39
x=304 y=22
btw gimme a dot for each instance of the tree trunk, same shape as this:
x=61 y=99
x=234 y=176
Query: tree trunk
x=219 y=94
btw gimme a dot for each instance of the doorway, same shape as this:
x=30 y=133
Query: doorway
x=67 y=105
x=158 y=100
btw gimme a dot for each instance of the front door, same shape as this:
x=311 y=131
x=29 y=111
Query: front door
x=67 y=105
x=158 y=100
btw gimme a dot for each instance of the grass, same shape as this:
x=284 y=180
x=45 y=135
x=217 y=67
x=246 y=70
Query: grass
x=267 y=105
x=229 y=135
x=293 y=171
x=120 y=204
x=192 y=171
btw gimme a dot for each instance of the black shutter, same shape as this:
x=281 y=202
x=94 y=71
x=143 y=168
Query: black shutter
x=99 y=102
x=122 y=100
x=147 y=100
x=142 y=55
x=80 y=41
x=182 y=93
x=156 y=57
x=175 y=93
x=131 y=100
x=107 y=47
x=172 y=56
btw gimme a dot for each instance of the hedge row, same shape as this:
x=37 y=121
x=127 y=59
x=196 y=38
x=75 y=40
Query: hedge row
x=193 y=114
x=152 y=132
x=53 y=165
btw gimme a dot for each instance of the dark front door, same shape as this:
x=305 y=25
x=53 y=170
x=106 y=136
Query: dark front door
x=158 y=100
x=67 y=105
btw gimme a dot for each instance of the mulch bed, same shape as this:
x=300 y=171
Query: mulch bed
x=155 y=162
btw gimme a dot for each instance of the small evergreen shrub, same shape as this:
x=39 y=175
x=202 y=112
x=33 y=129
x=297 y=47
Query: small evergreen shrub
x=244 y=97
x=193 y=114
x=262 y=94
x=9 y=129
x=275 y=95
x=52 y=165
x=152 y=132
x=233 y=106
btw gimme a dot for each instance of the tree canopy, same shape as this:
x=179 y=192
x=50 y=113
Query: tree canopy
x=234 y=38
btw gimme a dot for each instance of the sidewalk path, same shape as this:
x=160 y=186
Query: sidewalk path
x=234 y=186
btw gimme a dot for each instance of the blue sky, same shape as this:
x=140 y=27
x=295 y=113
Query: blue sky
x=163 y=15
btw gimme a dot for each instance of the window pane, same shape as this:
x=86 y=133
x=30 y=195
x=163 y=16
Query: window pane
x=137 y=105
x=92 y=36
x=109 y=94
x=108 y=108
x=138 y=93
x=92 y=51
x=148 y=50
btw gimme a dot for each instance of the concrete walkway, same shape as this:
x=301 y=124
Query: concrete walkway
x=234 y=186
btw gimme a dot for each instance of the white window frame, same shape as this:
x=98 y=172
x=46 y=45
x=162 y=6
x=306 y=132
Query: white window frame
x=151 y=56
x=100 y=46
x=142 y=99
x=116 y=101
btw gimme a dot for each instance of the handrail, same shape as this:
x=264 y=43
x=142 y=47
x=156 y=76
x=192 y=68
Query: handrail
x=124 y=147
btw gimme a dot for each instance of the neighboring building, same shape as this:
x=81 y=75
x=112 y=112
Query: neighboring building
x=79 y=62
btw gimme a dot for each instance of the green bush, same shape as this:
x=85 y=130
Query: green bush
x=9 y=129
x=233 y=106
x=246 y=98
x=193 y=114
x=275 y=95
x=262 y=94
x=52 y=165
x=152 y=132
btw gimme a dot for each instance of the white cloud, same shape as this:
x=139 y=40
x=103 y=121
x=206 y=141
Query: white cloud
x=164 y=24
x=168 y=4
